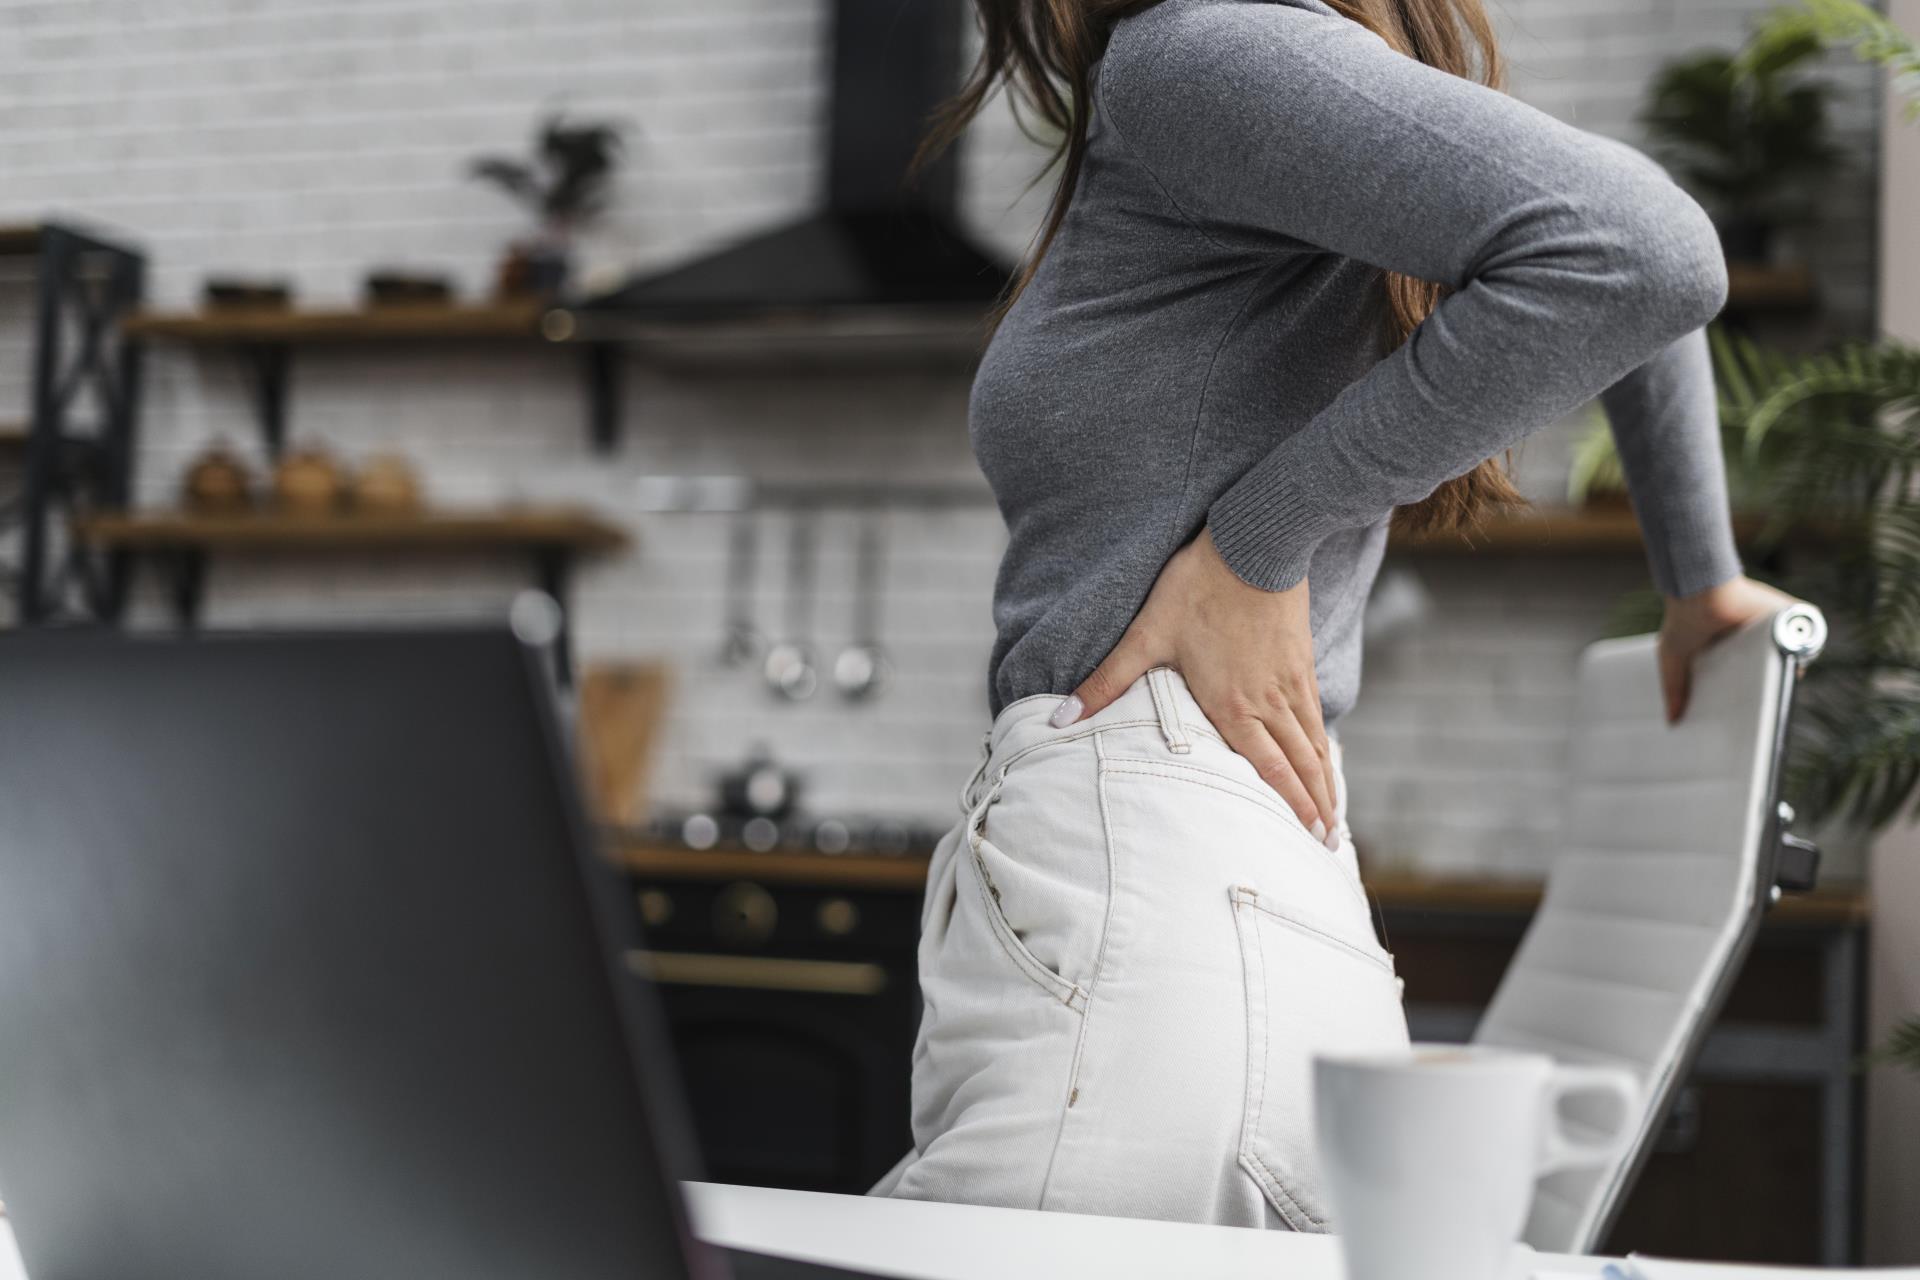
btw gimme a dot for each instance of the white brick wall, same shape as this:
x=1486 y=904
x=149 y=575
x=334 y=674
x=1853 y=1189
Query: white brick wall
x=311 y=139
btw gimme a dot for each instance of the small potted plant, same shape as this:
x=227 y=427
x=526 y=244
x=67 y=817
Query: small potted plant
x=1748 y=134
x=564 y=185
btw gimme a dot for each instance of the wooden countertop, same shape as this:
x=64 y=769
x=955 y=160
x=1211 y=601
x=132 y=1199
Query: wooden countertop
x=902 y=872
x=1835 y=905
x=1394 y=891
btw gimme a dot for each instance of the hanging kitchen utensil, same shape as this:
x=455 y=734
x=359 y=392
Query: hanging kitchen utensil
x=789 y=667
x=862 y=670
x=743 y=644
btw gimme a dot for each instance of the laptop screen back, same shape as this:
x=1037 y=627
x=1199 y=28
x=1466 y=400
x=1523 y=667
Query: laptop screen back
x=304 y=971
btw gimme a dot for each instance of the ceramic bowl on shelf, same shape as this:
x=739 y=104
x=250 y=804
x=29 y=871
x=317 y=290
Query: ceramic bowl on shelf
x=386 y=484
x=308 y=482
x=217 y=482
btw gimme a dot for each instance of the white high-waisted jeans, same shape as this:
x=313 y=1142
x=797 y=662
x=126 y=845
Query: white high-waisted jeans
x=1131 y=949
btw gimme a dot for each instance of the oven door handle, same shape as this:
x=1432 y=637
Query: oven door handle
x=759 y=973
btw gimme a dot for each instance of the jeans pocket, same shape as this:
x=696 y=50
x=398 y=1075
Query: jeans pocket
x=1310 y=989
x=982 y=855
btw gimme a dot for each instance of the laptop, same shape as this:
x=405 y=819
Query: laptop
x=309 y=969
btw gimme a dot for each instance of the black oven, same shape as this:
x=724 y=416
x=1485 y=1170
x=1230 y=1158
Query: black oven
x=790 y=988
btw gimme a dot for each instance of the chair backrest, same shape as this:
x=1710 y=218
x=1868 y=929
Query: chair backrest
x=1665 y=870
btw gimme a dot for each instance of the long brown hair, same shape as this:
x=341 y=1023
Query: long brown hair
x=1043 y=51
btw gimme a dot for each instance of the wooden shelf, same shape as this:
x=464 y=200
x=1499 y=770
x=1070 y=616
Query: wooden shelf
x=1753 y=287
x=1541 y=530
x=1548 y=531
x=266 y=337
x=275 y=327
x=530 y=528
x=181 y=543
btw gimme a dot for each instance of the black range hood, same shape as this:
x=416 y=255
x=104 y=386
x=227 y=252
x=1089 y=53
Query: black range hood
x=881 y=244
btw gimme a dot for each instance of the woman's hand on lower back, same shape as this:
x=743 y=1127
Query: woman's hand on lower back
x=1247 y=655
x=1694 y=622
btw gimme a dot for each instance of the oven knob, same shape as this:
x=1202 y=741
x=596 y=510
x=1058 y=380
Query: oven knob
x=700 y=831
x=744 y=915
x=656 y=908
x=837 y=917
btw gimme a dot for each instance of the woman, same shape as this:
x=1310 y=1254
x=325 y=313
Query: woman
x=1305 y=267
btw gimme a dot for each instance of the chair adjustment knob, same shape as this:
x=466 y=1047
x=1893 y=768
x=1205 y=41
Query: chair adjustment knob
x=1797 y=867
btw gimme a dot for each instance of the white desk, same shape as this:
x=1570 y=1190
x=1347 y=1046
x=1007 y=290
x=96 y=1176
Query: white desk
x=961 y=1242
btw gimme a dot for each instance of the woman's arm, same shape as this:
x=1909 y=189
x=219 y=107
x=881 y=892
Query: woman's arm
x=1572 y=260
x=1666 y=427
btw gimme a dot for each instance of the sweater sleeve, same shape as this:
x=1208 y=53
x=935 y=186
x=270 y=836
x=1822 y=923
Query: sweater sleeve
x=1665 y=422
x=1573 y=260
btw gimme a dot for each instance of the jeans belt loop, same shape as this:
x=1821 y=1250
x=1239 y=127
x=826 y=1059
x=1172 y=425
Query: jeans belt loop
x=1166 y=709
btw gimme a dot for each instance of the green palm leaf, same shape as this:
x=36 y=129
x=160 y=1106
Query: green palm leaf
x=1902 y=1047
x=1849 y=23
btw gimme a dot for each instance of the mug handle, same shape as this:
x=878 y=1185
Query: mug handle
x=1562 y=1150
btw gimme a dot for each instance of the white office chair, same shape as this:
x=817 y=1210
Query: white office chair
x=1675 y=845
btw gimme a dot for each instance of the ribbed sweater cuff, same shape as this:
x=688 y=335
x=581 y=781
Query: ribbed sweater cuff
x=1689 y=551
x=1266 y=533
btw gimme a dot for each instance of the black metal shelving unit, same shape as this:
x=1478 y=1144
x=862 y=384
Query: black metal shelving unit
x=75 y=447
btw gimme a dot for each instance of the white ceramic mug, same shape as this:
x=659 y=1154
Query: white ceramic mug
x=1430 y=1154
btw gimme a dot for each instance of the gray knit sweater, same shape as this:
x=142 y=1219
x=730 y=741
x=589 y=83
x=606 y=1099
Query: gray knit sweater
x=1203 y=344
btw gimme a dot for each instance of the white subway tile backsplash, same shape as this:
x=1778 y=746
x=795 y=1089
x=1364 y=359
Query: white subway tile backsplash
x=312 y=140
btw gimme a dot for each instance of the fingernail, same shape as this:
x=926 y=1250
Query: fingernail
x=1333 y=841
x=1067 y=712
x=1319 y=830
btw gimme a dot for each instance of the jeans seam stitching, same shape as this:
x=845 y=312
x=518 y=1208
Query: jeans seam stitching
x=1258 y=1091
x=1091 y=730
x=1093 y=982
x=1035 y=972
x=1054 y=985
x=1087 y=732
x=1381 y=961
x=1206 y=778
x=1160 y=769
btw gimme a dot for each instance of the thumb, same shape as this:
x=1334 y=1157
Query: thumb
x=1116 y=673
x=1675 y=679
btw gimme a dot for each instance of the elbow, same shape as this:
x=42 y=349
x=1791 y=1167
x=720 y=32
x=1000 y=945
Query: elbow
x=1670 y=271
x=1683 y=269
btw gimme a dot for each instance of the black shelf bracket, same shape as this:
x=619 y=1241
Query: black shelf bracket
x=186 y=571
x=85 y=286
x=268 y=364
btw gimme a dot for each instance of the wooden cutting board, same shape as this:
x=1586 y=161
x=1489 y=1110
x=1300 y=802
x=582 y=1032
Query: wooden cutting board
x=622 y=708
